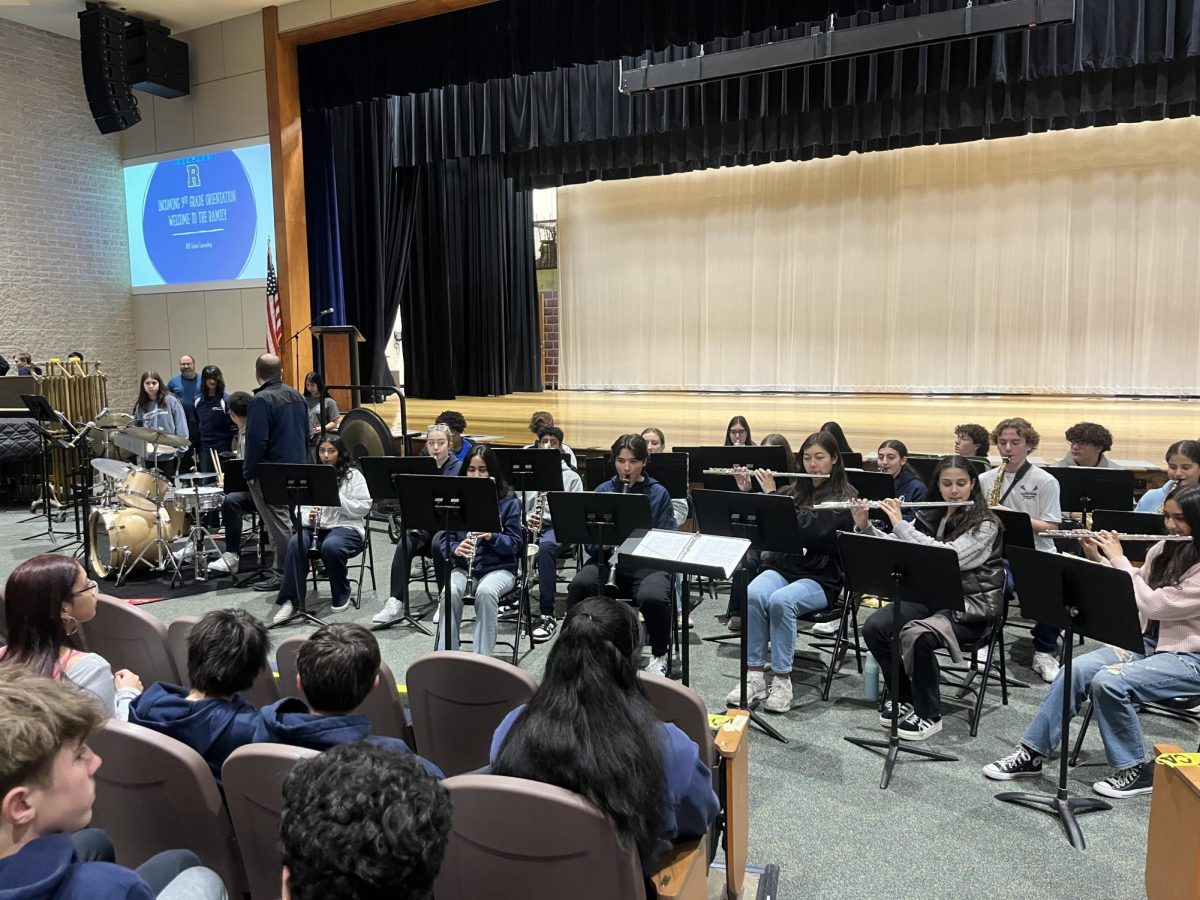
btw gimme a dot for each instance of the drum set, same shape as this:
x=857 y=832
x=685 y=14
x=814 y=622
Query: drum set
x=139 y=513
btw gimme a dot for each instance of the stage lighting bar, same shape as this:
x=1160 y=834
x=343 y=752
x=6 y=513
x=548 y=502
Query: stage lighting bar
x=845 y=43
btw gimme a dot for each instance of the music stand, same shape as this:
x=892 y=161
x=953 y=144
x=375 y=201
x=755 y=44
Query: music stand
x=433 y=503
x=671 y=471
x=293 y=486
x=1083 y=489
x=46 y=417
x=601 y=519
x=903 y=573
x=851 y=460
x=768 y=521
x=1096 y=601
x=1018 y=529
x=596 y=471
x=1128 y=522
x=719 y=456
x=873 y=486
x=383 y=475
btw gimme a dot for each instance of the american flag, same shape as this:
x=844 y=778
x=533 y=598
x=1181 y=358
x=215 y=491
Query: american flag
x=274 y=314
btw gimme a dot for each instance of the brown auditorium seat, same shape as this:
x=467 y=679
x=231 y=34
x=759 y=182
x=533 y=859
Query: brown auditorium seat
x=130 y=639
x=682 y=707
x=262 y=693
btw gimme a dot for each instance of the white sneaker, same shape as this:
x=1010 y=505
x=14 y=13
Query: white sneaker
x=390 y=610
x=1045 y=665
x=756 y=689
x=226 y=565
x=285 y=612
x=437 y=613
x=779 y=697
x=827 y=629
x=657 y=666
x=981 y=656
x=185 y=554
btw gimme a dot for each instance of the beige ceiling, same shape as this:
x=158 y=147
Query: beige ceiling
x=59 y=16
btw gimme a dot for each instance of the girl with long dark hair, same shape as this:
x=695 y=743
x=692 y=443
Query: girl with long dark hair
x=1183 y=468
x=892 y=458
x=215 y=428
x=590 y=729
x=737 y=433
x=46 y=599
x=339 y=531
x=1167 y=591
x=973 y=532
x=159 y=409
x=322 y=409
x=791 y=585
x=838 y=435
x=492 y=558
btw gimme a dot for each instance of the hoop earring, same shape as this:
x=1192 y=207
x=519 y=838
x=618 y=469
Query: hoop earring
x=70 y=625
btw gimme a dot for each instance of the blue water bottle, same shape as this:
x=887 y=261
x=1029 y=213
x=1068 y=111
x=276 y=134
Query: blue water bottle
x=871 y=678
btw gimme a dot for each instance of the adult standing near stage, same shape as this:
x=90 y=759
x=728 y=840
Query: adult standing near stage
x=276 y=432
x=186 y=387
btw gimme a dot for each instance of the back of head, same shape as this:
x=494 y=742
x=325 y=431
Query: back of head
x=268 y=367
x=338 y=665
x=540 y=420
x=840 y=436
x=33 y=605
x=38 y=716
x=226 y=650
x=778 y=440
x=363 y=823
x=239 y=403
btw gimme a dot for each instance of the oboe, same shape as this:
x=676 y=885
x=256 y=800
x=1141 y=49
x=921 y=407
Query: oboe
x=1080 y=533
x=612 y=560
x=904 y=504
x=752 y=471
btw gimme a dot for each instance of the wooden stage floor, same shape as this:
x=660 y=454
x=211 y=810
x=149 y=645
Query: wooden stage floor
x=1142 y=428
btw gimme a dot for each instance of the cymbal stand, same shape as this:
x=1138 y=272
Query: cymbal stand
x=166 y=561
x=199 y=534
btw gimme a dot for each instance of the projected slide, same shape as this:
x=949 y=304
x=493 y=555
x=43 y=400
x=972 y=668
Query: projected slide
x=200 y=221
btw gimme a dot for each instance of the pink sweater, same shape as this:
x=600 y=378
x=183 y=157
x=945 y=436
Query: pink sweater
x=1176 y=608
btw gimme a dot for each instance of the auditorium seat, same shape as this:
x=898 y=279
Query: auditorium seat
x=457 y=700
x=154 y=793
x=564 y=847
x=130 y=639
x=262 y=693
x=253 y=779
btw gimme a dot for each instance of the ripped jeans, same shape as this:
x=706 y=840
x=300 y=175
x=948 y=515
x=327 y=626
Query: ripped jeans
x=1115 y=680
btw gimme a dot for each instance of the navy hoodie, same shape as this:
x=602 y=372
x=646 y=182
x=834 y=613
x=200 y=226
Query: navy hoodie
x=289 y=721
x=213 y=728
x=911 y=488
x=47 y=869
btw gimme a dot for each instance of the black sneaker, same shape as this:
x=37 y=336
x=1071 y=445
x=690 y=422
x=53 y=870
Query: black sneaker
x=544 y=629
x=1129 y=782
x=885 y=713
x=914 y=728
x=1021 y=763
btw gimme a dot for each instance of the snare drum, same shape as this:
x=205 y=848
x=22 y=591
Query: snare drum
x=201 y=499
x=142 y=488
x=113 y=531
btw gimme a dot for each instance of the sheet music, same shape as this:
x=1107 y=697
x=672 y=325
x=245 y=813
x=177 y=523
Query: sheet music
x=718 y=551
x=665 y=544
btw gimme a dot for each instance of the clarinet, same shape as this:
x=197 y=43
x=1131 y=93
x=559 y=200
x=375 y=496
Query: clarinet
x=612 y=561
x=469 y=592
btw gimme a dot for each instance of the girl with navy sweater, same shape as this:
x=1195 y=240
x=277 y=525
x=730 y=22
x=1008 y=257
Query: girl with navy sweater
x=495 y=563
x=893 y=460
x=590 y=729
x=214 y=427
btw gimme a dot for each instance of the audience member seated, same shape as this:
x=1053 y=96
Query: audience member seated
x=226 y=650
x=46 y=795
x=360 y=823
x=591 y=730
x=1088 y=443
x=45 y=601
x=338 y=666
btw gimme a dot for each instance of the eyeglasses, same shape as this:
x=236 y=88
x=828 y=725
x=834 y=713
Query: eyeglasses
x=91 y=586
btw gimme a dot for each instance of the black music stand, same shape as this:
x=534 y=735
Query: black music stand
x=46 y=417
x=768 y=521
x=903 y=573
x=383 y=475
x=1128 y=522
x=851 y=460
x=601 y=518
x=719 y=456
x=596 y=471
x=433 y=503
x=671 y=471
x=1096 y=601
x=873 y=486
x=293 y=486
x=1083 y=489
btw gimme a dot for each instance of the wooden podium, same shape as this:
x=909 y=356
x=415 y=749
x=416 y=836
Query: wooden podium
x=339 y=361
x=1173 y=847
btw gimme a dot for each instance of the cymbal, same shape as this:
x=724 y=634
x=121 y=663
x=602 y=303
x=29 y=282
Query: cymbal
x=198 y=476
x=112 y=468
x=159 y=438
x=113 y=420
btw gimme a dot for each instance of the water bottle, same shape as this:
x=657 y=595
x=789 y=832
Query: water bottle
x=871 y=678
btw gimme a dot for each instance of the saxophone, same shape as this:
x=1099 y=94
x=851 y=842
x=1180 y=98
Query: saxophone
x=998 y=486
x=611 y=584
x=539 y=512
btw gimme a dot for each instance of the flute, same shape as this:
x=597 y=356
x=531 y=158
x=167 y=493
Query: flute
x=749 y=472
x=1080 y=533
x=904 y=504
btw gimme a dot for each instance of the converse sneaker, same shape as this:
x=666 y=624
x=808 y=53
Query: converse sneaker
x=334 y=606
x=914 y=728
x=1045 y=665
x=756 y=689
x=544 y=629
x=827 y=629
x=1021 y=763
x=779 y=696
x=226 y=564
x=885 y=713
x=284 y=613
x=1137 y=779
x=391 y=610
x=657 y=666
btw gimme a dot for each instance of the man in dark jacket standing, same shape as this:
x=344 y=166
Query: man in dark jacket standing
x=276 y=432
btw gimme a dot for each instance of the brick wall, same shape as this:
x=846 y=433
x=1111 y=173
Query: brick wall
x=64 y=258
x=550 y=337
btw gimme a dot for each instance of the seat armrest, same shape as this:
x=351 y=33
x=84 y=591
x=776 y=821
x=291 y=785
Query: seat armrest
x=684 y=871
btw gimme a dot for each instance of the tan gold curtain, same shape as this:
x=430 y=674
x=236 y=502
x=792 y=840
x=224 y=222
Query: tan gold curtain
x=1057 y=263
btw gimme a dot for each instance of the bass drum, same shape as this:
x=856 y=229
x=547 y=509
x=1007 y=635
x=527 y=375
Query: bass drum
x=115 y=531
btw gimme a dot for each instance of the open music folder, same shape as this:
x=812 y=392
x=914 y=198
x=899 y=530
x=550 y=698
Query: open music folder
x=683 y=551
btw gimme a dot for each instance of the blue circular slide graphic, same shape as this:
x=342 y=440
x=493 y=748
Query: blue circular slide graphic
x=199 y=219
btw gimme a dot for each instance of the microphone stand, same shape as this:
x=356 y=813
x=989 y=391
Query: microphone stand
x=296 y=347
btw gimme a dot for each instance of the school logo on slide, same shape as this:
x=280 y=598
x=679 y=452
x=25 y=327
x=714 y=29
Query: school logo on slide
x=199 y=218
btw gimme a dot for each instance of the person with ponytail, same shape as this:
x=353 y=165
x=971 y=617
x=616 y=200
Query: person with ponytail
x=1183 y=468
x=973 y=532
x=1167 y=590
x=590 y=729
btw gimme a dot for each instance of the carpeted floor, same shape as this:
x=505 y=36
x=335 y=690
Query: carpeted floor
x=816 y=807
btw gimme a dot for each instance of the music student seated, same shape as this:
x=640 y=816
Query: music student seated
x=336 y=668
x=649 y=589
x=791 y=585
x=235 y=504
x=46 y=599
x=359 y=823
x=1183 y=468
x=460 y=446
x=549 y=550
x=590 y=729
x=838 y=435
x=973 y=532
x=656 y=442
x=1167 y=591
x=491 y=559
x=339 y=532
x=1088 y=442
x=737 y=433
x=47 y=788
x=893 y=460
x=226 y=651
x=971 y=440
x=538 y=423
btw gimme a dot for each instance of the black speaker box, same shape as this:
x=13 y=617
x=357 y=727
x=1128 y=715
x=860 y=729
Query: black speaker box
x=103 y=42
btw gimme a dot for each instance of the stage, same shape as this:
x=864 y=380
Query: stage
x=1142 y=428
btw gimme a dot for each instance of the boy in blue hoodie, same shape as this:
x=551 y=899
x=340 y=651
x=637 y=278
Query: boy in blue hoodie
x=47 y=789
x=337 y=667
x=226 y=650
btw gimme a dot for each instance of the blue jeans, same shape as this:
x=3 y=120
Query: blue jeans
x=337 y=546
x=488 y=591
x=1115 y=679
x=548 y=552
x=774 y=604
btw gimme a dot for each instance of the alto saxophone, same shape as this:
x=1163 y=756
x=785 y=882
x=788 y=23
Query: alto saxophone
x=611 y=584
x=998 y=486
